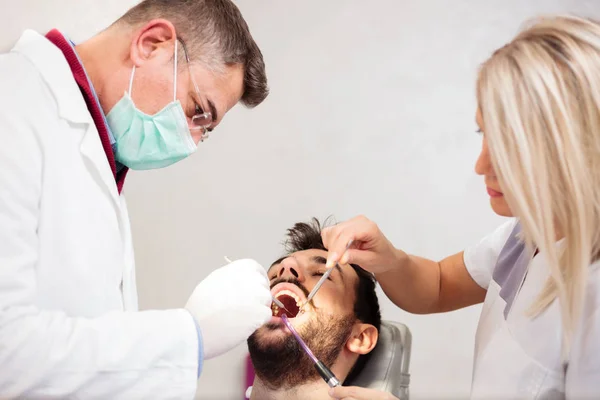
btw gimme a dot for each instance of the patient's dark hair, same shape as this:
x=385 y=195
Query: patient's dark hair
x=307 y=236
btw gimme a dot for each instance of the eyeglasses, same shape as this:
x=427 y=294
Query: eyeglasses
x=202 y=119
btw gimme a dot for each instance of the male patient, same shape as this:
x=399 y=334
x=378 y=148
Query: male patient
x=340 y=325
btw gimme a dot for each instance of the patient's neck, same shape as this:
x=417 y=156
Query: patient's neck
x=316 y=390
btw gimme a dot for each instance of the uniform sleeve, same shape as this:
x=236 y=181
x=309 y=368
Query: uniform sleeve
x=45 y=353
x=480 y=258
x=583 y=371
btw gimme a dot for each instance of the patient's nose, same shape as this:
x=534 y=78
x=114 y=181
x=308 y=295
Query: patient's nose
x=289 y=269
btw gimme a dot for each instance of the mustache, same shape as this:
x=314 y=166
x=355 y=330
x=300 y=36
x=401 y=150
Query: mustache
x=292 y=281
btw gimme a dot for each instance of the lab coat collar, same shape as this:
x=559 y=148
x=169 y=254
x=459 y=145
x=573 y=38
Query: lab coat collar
x=50 y=61
x=93 y=105
x=55 y=71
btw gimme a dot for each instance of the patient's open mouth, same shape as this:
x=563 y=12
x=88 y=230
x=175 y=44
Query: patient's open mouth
x=290 y=300
x=292 y=306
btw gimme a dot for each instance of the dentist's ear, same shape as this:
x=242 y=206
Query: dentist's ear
x=363 y=339
x=155 y=39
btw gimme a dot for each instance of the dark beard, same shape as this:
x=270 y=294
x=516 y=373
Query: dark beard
x=284 y=365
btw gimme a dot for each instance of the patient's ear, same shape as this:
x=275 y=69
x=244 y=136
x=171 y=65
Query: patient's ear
x=363 y=339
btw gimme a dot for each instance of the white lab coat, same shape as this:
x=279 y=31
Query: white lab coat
x=518 y=357
x=69 y=325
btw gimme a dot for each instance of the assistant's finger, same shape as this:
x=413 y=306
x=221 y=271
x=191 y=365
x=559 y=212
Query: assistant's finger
x=338 y=248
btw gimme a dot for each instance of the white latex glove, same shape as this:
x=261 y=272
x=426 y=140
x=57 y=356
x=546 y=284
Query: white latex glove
x=230 y=304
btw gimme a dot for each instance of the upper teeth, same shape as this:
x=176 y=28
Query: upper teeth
x=289 y=293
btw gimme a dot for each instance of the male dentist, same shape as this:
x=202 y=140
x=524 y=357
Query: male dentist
x=73 y=120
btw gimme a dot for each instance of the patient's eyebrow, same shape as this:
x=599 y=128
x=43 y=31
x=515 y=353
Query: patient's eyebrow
x=318 y=259
x=323 y=260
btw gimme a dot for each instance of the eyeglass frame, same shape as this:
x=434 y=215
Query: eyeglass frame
x=205 y=114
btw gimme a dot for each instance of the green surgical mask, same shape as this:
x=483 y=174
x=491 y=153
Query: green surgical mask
x=150 y=141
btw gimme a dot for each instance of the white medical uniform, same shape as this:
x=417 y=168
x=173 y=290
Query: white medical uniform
x=68 y=321
x=520 y=357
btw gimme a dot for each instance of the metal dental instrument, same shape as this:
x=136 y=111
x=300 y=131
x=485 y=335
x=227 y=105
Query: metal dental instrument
x=325 y=372
x=275 y=300
x=280 y=304
x=318 y=285
x=322 y=280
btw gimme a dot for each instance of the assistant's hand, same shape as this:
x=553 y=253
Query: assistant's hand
x=230 y=304
x=358 y=393
x=370 y=248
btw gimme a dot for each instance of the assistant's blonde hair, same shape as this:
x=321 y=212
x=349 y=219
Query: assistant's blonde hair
x=539 y=97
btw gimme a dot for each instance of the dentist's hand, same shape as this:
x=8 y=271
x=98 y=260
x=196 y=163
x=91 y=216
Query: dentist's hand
x=358 y=393
x=230 y=304
x=370 y=248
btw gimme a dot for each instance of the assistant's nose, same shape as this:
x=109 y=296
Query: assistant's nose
x=483 y=165
x=290 y=269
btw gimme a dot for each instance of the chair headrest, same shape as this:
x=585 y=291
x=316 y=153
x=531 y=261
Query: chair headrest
x=388 y=368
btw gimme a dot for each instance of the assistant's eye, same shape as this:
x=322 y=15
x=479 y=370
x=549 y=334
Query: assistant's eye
x=198 y=110
x=479 y=132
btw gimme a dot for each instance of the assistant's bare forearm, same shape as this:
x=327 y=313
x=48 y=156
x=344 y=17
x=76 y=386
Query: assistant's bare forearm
x=423 y=286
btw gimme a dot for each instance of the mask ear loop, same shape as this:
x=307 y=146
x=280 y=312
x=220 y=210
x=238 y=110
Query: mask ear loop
x=175 y=74
x=131 y=80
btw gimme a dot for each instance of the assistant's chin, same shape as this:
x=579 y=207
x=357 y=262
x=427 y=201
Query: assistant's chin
x=500 y=207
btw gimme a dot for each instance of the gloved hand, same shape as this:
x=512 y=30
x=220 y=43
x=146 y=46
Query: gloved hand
x=230 y=304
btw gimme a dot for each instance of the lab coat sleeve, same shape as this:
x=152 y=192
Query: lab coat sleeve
x=46 y=353
x=480 y=259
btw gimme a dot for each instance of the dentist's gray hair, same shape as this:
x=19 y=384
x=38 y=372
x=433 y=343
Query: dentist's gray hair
x=215 y=33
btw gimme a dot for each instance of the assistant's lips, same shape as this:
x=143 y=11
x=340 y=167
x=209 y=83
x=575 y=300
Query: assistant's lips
x=494 y=193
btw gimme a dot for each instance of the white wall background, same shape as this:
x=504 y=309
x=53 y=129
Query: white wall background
x=371 y=112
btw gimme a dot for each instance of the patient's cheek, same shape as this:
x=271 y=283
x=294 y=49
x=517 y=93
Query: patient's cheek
x=329 y=308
